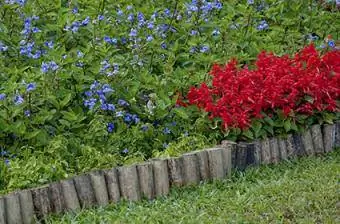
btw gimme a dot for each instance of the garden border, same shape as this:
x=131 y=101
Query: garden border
x=154 y=178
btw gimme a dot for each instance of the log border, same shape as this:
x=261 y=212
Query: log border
x=156 y=177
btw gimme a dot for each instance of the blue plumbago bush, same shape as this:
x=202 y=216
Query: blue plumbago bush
x=90 y=84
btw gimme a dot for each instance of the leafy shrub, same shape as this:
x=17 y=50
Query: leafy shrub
x=94 y=83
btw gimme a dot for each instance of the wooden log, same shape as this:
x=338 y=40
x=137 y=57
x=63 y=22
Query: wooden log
x=250 y=157
x=161 y=177
x=70 y=196
x=337 y=134
x=290 y=146
x=257 y=152
x=129 y=184
x=175 y=167
x=228 y=148
x=265 y=151
x=203 y=163
x=41 y=201
x=307 y=142
x=190 y=169
x=12 y=207
x=241 y=156
x=99 y=187
x=317 y=139
x=56 y=197
x=27 y=206
x=328 y=132
x=298 y=145
x=112 y=184
x=274 y=150
x=282 y=149
x=85 y=191
x=146 y=182
x=216 y=168
x=2 y=211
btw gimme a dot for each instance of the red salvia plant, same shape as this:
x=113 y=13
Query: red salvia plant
x=306 y=83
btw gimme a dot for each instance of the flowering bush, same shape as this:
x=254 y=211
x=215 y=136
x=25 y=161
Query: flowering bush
x=305 y=84
x=88 y=84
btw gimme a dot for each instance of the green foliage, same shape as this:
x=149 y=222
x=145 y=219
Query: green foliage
x=47 y=133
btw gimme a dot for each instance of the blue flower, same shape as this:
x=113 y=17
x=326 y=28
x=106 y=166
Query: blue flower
x=263 y=25
x=128 y=118
x=123 y=103
x=80 y=54
x=204 y=49
x=27 y=113
x=135 y=119
x=85 y=21
x=106 y=88
x=131 y=17
x=18 y=99
x=49 y=44
x=120 y=12
x=3 y=47
x=90 y=103
x=111 y=107
x=75 y=10
x=119 y=114
x=110 y=127
x=7 y=162
x=88 y=93
x=36 y=30
x=149 y=38
x=2 y=96
x=133 y=33
x=30 y=87
x=193 y=32
x=53 y=66
x=100 y=17
x=150 y=25
x=331 y=43
x=250 y=2
x=163 y=45
x=125 y=151
x=166 y=131
x=45 y=67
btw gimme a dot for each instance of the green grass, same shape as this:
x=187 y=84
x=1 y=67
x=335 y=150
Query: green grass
x=305 y=190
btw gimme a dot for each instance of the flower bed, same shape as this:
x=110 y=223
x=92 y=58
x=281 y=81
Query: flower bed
x=92 y=84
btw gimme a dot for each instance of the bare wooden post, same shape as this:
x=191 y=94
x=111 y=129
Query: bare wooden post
x=203 y=162
x=190 y=168
x=282 y=149
x=41 y=201
x=57 y=197
x=27 y=207
x=70 y=196
x=175 y=166
x=337 y=134
x=241 y=156
x=274 y=150
x=216 y=163
x=251 y=154
x=290 y=146
x=161 y=177
x=228 y=148
x=328 y=132
x=129 y=184
x=265 y=151
x=2 y=211
x=99 y=187
x=85 y=191
x=307 y=142
x=12 y=207
x=112 y=182
x=146 y=182
x=257 y=152
x=298 y=145
x=317 y=139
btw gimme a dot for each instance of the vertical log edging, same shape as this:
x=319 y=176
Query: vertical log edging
x=154 y=178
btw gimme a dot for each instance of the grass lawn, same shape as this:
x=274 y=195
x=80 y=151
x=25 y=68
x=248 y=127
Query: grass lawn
x=305 y=190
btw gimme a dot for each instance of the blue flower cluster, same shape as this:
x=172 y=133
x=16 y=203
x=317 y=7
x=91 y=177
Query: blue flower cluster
x=74 y=27
x=100 y=95
x=3 y=47
x=49 y=66
x=109 y=69
x=12 y=2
